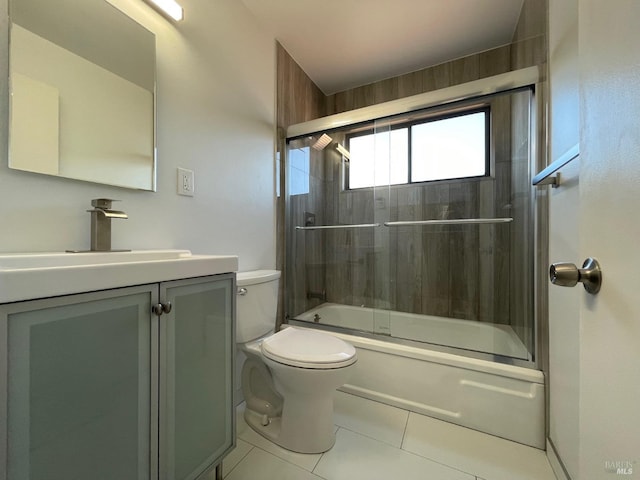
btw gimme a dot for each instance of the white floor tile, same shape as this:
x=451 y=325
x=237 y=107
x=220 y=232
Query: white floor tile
x=246 y=433
x=237 y=454
x=260 y=465
x=474 y=452
x=356 y=457
x=373 y=419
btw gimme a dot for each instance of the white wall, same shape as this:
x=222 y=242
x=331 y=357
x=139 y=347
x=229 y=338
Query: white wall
x=216 y=116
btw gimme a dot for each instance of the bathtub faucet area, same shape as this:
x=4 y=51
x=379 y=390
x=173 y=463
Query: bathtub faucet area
x=322 y=296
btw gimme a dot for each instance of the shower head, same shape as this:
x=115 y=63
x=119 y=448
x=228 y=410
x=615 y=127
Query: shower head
x=322 y=142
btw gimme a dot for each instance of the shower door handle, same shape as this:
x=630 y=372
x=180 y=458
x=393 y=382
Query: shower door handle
x=568 y=275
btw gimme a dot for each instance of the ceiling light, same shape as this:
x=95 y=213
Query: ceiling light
x=171 y=8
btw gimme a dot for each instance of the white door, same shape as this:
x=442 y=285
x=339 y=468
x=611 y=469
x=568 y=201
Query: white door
x=609 y=52
x=602 y=386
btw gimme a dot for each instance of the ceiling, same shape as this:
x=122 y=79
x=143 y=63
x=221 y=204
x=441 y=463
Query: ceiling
x=343 y=44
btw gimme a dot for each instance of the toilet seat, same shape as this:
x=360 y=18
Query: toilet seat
x=306 y=348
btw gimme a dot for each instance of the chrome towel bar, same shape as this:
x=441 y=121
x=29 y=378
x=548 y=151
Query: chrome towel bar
x=457 y=221
x=333 y=227
x=545 y=178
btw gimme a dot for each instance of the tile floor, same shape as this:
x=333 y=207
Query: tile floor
x=376 y=441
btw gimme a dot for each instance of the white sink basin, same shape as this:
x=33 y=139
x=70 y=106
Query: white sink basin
x=38 y=275
x=20 y=261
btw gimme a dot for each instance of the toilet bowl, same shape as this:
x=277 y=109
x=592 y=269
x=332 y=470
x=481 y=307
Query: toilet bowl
x=289 y=377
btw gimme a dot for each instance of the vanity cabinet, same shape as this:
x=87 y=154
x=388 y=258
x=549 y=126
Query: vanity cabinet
x=197 y=353
x=97 y=386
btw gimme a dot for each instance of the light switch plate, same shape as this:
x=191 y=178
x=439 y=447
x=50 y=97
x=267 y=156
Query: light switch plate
x=186 y=185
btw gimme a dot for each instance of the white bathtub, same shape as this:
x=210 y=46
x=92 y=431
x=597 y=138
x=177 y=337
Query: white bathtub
x=466 y=334
x=495 y=398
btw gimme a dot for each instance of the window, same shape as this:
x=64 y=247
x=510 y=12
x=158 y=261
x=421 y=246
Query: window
x=379 y=159
x=299 y=167
x=441 y=148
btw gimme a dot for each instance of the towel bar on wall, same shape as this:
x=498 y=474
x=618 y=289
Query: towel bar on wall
x=545 y=178
x=455 y=221
x=332 y=227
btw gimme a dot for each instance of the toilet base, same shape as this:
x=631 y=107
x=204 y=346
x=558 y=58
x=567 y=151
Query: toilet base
x=312 y=440
x=292 y=406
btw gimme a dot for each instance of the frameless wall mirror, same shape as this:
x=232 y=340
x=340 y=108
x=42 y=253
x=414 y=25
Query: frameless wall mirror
x=82 y=86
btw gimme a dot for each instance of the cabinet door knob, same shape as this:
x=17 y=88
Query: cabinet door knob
x=568 y=275
x=166 y=307
x=157 y=309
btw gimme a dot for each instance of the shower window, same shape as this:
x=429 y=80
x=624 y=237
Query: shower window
x=379 y=159
x=299 y=166
x=445 y=147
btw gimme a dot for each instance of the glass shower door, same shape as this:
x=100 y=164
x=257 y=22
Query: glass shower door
x=330 y=229
x=461 y=248
x=388 y=159
x=419 y=226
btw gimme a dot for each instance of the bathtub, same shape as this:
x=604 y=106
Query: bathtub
x=499 y=399
x=465 y=334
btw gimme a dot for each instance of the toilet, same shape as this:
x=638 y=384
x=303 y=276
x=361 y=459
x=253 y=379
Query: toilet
x=289 y=377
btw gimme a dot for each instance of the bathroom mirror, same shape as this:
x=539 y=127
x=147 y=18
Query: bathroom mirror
x=82 y=93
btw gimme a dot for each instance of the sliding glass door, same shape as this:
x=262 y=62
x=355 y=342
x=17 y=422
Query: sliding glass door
x=418 y=226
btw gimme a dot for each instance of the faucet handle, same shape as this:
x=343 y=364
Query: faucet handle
x=103 y=202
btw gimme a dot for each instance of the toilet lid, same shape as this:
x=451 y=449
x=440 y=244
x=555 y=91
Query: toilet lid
x=308 y=349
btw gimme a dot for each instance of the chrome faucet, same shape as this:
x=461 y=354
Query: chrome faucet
x=101 y=216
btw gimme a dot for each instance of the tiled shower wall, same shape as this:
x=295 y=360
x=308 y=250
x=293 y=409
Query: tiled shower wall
x=423 y=270
x=452 y=271
x=298 y=100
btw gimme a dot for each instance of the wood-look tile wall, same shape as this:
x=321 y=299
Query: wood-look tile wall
x=415 y=269
x=481 y=65
x=449 y=271
x=298 y=100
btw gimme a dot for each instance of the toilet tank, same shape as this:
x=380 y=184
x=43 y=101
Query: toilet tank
x=256 y=304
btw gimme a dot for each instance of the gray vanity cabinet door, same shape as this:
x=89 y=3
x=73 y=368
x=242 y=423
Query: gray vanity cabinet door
x=197 y=341
x=77 y=387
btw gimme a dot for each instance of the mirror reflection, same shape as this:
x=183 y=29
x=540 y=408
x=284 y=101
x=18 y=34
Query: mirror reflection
x=82 y=76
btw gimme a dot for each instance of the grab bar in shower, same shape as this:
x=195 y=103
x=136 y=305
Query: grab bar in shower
x=333 y=227
x=545 y=178
x=457 y=221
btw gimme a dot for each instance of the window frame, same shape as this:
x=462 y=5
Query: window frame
x=428 y=118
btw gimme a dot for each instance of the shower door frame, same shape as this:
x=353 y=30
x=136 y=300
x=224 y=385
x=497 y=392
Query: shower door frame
x=515 y=80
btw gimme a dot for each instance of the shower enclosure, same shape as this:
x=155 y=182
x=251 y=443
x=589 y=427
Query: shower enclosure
x=417 y=226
